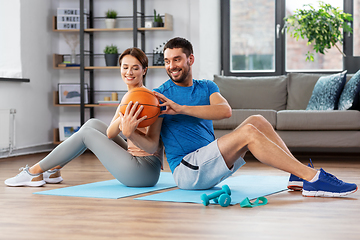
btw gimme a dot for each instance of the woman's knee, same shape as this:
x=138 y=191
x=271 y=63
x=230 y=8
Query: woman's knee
x=92 y=122
x=96 y=124
x=85 y=130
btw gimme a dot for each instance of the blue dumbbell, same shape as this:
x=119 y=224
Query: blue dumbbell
x=224 y=200
x=206 y=198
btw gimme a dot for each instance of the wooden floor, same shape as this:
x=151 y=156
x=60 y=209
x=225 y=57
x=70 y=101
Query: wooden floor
x=288 y=215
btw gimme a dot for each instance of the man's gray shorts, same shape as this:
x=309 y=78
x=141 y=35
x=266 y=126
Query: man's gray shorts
x=204 y=168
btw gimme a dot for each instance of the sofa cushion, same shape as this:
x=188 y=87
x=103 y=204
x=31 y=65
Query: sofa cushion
x=318 y=120
x=300 y=87
x=349 y=98
x=254 y=92
x=328 y=141
x=326 y=93
x=239 y=115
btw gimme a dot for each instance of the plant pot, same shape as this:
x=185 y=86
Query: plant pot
x=110 y=22
x=158 y=24
x=111 y=59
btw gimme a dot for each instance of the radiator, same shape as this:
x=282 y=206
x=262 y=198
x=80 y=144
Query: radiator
x=7 y=129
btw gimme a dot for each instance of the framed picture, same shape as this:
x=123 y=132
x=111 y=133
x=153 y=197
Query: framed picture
x=66 y=129
x=69 y=93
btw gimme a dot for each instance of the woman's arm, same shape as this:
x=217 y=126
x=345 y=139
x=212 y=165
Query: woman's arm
x=128 y=122
x=113 y=130
x=148 y=142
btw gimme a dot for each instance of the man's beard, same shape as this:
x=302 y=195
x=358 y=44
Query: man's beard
x=184 y=75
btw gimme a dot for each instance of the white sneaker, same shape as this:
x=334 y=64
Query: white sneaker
x=25 y=178
x=52 y=176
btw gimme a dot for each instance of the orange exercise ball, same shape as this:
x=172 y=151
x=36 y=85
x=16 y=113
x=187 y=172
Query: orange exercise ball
x=147 y=99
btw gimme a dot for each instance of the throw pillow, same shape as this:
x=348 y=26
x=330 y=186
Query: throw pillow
x=326 y=93
x=349 y=98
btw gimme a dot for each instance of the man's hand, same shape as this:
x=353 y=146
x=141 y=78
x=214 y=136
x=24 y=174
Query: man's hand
x=218 y=108
x=172 y=108
x=129 y=121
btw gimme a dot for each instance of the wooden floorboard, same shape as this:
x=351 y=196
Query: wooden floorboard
x=288 y=215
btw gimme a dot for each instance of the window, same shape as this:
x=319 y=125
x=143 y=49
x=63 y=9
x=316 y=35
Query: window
x=253 y=45
x=10 y=58
x=356 y=28
x=296 y=50
x=252 y=39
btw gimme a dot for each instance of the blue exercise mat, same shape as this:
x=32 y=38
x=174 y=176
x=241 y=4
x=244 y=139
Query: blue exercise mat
x=250 y=186
x=112 y=189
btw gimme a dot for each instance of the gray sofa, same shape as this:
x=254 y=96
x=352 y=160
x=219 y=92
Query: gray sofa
x=282 y=100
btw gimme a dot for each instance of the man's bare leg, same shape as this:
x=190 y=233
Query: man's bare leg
x=248 y=138
x=267 y=129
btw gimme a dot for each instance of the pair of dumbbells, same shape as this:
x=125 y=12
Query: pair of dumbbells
x=222 y=197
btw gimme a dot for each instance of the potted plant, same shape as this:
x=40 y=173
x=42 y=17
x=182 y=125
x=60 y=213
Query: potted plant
x=158 y=22
x=111 y=55
x=110 y=18
x=321 y=27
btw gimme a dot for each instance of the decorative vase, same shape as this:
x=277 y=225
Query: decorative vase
x=73 y=56
x=111 y=59
x=110 y=22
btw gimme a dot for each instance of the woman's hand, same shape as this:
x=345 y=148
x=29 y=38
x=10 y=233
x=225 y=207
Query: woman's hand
x=129 y=121
x=172 y=108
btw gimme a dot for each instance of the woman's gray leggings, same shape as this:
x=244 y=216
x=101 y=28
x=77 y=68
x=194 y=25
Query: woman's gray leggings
x=130 y=170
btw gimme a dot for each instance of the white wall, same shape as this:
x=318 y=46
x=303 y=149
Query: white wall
x=197 y=21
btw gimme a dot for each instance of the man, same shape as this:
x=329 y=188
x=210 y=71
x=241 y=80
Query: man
x=197 y=160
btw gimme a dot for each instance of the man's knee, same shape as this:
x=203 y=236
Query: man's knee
x=257 y=119
x=248 y=130
x=259 y=122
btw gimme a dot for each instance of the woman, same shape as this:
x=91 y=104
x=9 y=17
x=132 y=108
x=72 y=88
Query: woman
x=127 y=163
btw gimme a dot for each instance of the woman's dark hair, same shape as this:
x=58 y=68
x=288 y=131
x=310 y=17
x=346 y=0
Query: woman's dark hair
x=182 y=43
x=138 y=54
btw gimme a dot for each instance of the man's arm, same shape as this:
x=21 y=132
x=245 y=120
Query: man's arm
x=218 y=109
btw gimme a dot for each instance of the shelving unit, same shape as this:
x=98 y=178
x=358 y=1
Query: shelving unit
x=138 y=19
x=168 y=26
x=59 y=58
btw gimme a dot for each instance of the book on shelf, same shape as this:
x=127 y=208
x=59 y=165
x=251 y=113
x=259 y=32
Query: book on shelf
x=68 y=65
x=108 y=103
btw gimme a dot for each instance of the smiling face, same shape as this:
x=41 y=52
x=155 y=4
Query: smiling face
x=178 y=66
x=132 y=72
